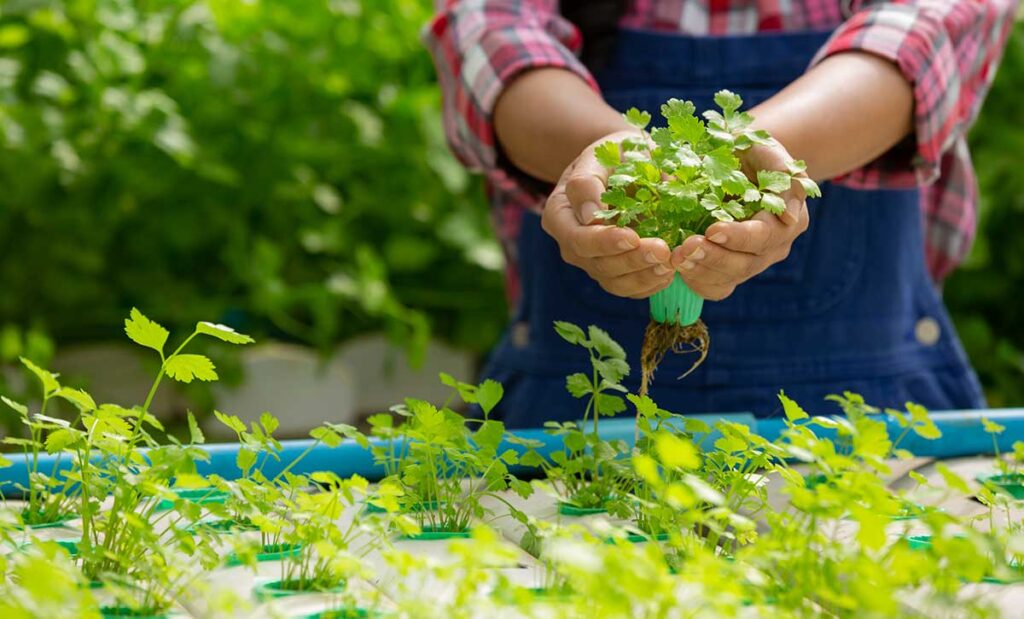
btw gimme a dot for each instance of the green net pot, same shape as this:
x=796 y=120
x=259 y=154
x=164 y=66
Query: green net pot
x=59 y=521
x=269 y=552
x=436 y=533
x=112 y=612
x=274 y=589
x=343 y=613
x=1008 y=483
x=676 y=304
x=199 y=496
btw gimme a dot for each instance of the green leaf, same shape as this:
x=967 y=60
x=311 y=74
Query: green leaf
x=604 y=344
x=728 y=101
x=80 y=399
x=608 y=154
x=719 y=164
x=774 y=181
x=47 y=378
x=145 y=332
x=923 y=424
x=645 y=406
x=268 y=422
x=811 y=189
x=186 y=368
x=607 y=405
x=796 y=166
x=195 y=433
x=773 y=204
x=59 y=440
x=638 y=119
x=992 y=427
x=230 y=421
x=689 y=129
x=223 y=333
x=488 y=394
x=578 y=385
x=675 y=452
x=612 y=370
x=791 y=408
x=18 y=407
x=952 y=479
x=245 y=459
x=570 y=332
x=326 y=436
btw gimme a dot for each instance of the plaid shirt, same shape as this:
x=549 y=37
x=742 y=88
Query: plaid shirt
x=948 y=50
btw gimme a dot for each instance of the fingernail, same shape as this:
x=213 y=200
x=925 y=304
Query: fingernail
x=698 y=254
x=587 y=210
x=688 y=265
x=662 y=270
x=717 y=237
x=625 y=245
x=651 y=258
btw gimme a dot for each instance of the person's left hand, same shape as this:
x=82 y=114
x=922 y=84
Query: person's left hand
x=730 y=253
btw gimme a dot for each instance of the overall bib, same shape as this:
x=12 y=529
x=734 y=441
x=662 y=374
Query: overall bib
x=851 y=309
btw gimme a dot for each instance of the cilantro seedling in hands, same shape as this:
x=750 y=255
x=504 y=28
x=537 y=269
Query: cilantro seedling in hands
x=678 y=181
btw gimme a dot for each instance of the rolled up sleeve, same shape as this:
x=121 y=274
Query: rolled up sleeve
x=948 y=50
x=479 y=46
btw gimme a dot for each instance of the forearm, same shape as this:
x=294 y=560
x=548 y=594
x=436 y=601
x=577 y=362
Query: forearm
x=546 y=117
x=842 y=114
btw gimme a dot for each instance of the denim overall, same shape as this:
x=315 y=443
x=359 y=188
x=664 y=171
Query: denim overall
x=851 y=309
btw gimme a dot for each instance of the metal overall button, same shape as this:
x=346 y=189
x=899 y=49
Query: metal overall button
x=927 y=331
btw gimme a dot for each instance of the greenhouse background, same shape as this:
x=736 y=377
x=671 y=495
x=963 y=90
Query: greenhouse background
x=280 y=167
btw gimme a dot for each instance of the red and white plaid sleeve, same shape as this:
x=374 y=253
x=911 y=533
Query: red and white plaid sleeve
x=479 y=46
x=948 y=50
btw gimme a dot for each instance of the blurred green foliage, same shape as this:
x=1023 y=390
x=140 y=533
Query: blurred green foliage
x=985 y=295
x=280 y=165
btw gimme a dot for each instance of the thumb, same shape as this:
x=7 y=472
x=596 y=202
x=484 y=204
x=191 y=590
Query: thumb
x=587 y=181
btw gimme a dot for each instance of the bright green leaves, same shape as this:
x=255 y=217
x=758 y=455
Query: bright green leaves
x=691 y=176
x=608 y=154
x=676 y=452
x=223 y=333
x=608 y=364
x=578 y=385
x=604 y=345
x=145 y=332
x=992 y=427
x=638 y=119
x=792 y=410
x=728 y=101
x=570 y=332
x=186 y=368
x=47 y=378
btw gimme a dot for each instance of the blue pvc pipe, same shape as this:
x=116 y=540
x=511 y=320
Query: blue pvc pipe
x=962 y=435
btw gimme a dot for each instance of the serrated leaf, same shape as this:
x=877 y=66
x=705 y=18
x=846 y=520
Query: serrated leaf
x=145 y=332
x=326 y=436
x=728 y=101
x=195 y=433
x=186 y=368
x=80 y=399
x=719 y=164
x=570 y=332
x=774 y=181
x=18 y=407
x=796 y=166
x=608 y=405
x=604 y=344
x=59 y=440
x=811 y=189
x=676 y=452
x=488 y=394
x=773 y=204
x=992 y=427
x=230 y=421
x=47 y=378
x=792 y=410
x=268 y=422
x=608 y=154
x=223 y=333
x=578 y=385
x=245 y=459
x=612 y=370
x=638 y=119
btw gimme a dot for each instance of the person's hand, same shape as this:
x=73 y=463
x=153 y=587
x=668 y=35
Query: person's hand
x=730 y=253
x=617 y=258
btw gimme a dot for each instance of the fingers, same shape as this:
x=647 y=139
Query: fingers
x=761 y=233
x=638 y=285
x=577 y=241
x=584 y=186
x=651 y=254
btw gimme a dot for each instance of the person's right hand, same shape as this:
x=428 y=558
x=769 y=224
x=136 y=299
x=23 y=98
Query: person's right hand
x=617 y=258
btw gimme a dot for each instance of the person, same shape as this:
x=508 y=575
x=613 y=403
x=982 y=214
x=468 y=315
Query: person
x=839 y=294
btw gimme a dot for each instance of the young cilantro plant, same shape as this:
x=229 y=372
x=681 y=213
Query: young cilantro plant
x=675 y=182
x=589 y=473
x=431 y=450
